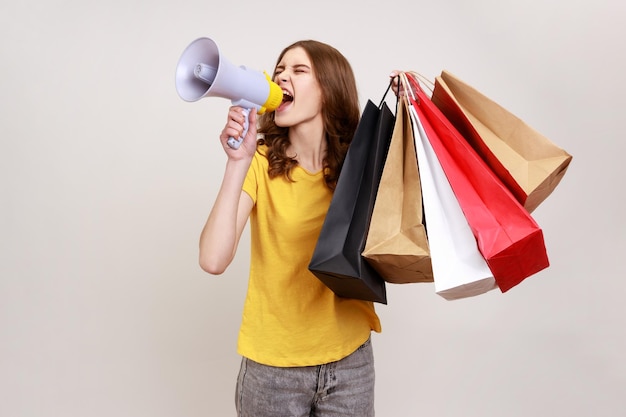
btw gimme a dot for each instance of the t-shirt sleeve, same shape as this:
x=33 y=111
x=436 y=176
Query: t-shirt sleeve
x=250 y=184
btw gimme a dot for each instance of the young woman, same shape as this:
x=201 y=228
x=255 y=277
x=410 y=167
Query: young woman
x=305 y=351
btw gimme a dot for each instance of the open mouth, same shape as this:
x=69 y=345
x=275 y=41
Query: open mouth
x=287 y=97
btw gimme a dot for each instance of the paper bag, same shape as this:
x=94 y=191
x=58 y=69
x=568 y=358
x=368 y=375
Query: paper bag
x=396 y=244
x=529 y=164
x=459 y=269
x=507 y=236
x=337 y=259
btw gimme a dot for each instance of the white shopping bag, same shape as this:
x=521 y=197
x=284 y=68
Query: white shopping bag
x=459 y=269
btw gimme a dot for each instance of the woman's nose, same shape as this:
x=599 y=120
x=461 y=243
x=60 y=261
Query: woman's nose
x=283 y=77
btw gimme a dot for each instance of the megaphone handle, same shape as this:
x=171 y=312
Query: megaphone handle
x=236 y=143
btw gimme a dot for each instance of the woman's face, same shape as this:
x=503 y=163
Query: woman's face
x=302 y=95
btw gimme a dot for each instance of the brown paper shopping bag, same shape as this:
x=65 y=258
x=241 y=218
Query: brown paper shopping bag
x=529 y=164
x=396 y=244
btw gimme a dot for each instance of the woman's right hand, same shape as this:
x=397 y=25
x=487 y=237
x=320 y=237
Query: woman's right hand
x=234 y=128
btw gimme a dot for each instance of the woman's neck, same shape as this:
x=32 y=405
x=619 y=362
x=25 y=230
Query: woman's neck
x=308 y=147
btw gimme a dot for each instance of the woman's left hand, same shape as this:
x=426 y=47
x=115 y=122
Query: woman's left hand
x=394 y=75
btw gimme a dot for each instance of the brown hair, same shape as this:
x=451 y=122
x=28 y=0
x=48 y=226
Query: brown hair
x=340 y=113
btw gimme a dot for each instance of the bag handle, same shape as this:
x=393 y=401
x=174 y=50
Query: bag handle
x=380 y=105
x=412 y=81
x=403 y=81
x=430 y=86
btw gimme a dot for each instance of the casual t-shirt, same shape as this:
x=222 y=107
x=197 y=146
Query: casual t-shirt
x=290 y=318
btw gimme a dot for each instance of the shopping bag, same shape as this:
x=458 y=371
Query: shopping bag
x=507 y=236
x=337 y=259
x=459 y=269
x=396 y=244
x=528 y=163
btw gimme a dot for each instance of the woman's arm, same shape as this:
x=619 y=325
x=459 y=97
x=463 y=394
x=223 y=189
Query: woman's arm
x=227 y=219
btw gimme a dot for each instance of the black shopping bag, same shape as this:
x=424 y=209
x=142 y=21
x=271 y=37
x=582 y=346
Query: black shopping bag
x=337 y=259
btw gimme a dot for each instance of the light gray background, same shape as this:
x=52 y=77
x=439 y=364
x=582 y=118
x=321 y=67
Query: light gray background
x=106 y=178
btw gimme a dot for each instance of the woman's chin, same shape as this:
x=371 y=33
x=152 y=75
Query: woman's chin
x=281 y=120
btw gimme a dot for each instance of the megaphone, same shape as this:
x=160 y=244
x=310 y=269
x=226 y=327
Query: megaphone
x=202 y=71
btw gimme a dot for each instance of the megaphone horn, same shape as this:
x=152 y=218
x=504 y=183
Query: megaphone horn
x=202 y=71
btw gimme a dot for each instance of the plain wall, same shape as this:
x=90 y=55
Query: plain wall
x=107 y=176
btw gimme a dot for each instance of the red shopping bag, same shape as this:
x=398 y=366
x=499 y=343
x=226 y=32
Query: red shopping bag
x=507 y=236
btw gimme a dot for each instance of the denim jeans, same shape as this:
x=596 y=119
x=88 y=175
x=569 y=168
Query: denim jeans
x=343 y=388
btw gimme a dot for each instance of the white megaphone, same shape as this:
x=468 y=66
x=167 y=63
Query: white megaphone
x=203 y=72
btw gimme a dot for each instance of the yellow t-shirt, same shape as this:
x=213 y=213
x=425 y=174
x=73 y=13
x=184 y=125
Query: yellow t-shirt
x=291 y=318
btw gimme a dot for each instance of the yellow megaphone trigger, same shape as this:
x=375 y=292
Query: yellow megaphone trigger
x=275 y=97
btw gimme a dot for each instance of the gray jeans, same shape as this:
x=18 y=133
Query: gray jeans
x=343 y=388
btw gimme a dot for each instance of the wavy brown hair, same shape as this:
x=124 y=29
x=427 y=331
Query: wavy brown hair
x=340 y=113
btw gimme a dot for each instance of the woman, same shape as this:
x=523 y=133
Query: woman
x=305 y=351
